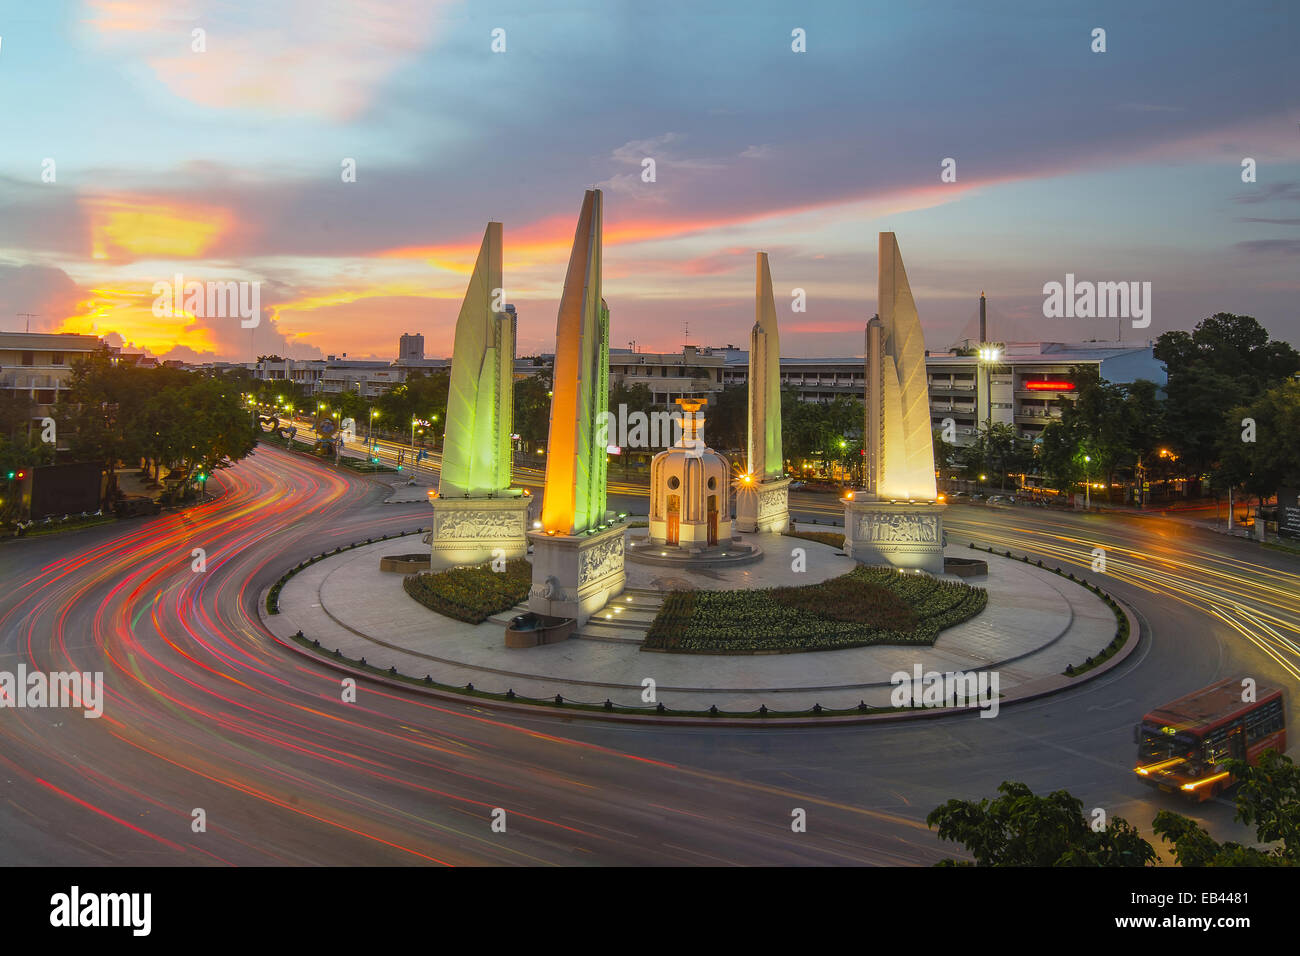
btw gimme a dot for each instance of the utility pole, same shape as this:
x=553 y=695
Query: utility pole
x=28 y=316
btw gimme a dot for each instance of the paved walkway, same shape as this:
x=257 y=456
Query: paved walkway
x=1036 y=624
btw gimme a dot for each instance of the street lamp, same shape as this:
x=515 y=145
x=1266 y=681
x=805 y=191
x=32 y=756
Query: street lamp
x=1087 y=484
x=988 y=355
x=414 y=467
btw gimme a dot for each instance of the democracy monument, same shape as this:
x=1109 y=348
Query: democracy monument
x=718 y=611
x=578 y=545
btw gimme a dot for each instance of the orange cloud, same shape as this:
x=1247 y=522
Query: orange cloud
x=129 y=312
x=549 y=240
x=128 y=227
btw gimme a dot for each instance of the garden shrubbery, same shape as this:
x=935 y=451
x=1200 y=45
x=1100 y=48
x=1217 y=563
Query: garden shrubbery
x=472 y=594
x=866 y=606
x=836 y=541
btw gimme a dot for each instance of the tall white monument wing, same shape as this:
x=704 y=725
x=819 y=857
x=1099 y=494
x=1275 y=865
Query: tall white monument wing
x=476 y=443
x=908 y=452
x=765 y=453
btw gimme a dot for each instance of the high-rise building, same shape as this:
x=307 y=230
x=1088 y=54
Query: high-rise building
x=411 y=347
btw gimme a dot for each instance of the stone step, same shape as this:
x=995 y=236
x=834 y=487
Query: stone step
x=622 y=622
x=610 y=635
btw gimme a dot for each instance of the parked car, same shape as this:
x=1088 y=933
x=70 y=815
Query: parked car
x=798 y=485
x=1002 y=500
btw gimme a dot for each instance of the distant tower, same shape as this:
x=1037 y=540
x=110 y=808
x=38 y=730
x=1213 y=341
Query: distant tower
x=411 y=347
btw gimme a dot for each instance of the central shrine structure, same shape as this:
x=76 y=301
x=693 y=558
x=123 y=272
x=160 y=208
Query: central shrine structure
x=578 y=553
x=690 y=488
x=896 y=518
x=477 y=515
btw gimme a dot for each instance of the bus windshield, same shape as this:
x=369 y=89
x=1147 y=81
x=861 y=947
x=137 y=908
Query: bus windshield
x=1153 y=744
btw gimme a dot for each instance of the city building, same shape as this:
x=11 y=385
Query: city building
x=39 y=365
x=691 y=373
x=367 y=379
x=1019 y=387
x=411 y=346
x=304 y=373
x=1019 y=383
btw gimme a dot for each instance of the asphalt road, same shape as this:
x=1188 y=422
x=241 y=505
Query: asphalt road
x=204 y=710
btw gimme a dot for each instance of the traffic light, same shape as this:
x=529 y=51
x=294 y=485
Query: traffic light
x=11 y=476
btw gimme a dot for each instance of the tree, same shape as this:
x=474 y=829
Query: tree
x=945 y=454
x=1105 y=431
x=728 y=420
x=533 y=407
x=1273 y=458
x=1021 y=829
x=1268 y=796
x=1225 y=355
x=998 y=450
x=164 y=417
x=1233 y=345
x=422 y=396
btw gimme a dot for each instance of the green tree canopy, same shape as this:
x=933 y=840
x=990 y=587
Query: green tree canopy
x=1022 y=829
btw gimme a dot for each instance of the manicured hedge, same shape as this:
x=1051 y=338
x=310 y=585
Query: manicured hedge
x=472 y=594
x=866 y=606
x=836 y=541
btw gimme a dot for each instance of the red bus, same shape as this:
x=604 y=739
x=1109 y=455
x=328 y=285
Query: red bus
x=1183 y=746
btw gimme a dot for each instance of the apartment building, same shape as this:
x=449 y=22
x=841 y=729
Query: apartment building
x=39 y=365
x=1019 y=387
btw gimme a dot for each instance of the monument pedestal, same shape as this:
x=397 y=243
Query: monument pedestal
x=763 y=507
x=576 y=575
x=470 y=530
x=903 y=534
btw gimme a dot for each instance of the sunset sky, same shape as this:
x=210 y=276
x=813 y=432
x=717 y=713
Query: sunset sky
x=226 y=164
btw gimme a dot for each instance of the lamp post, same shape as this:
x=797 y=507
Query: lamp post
x=414 y=468
x=1087 y=484
x=988 y=356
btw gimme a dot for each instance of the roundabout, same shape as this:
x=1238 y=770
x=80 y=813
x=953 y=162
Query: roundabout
x=1036 y=625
